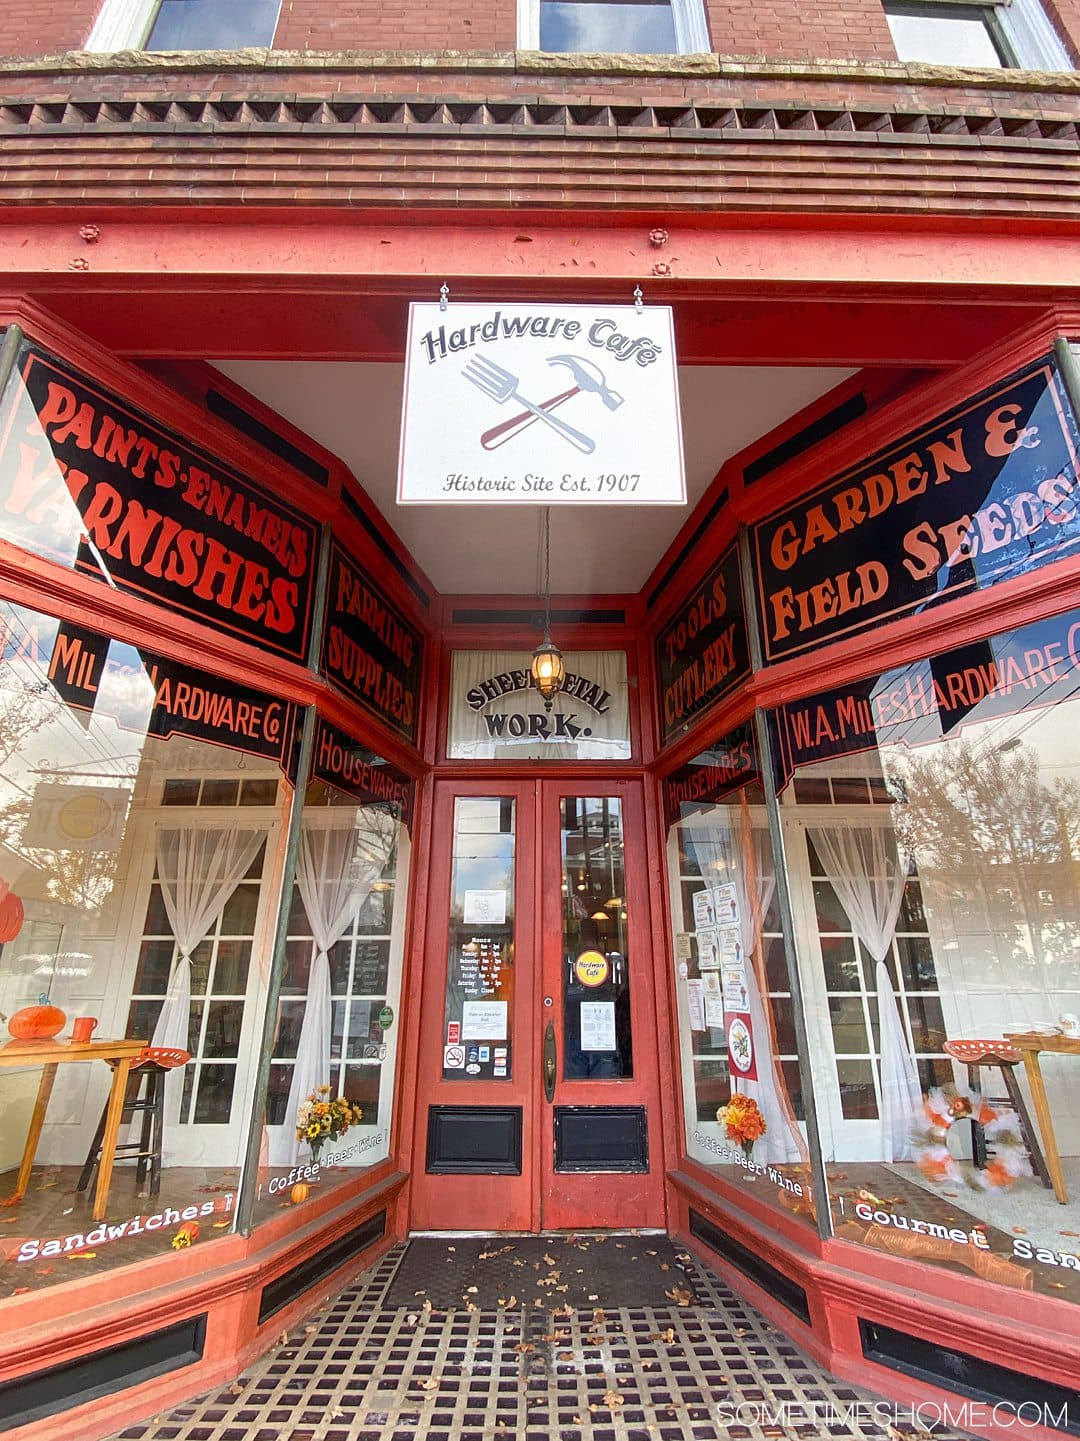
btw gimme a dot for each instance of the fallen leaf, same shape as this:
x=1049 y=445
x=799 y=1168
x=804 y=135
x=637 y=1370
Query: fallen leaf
x=471 y=1290
x=524 y=1346
x=613 y=1400
x=431 y=1383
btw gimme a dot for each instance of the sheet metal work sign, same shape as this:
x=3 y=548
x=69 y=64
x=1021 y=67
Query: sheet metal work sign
x=542 y=405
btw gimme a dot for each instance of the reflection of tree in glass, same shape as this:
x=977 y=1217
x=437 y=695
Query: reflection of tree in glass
x=988 y=816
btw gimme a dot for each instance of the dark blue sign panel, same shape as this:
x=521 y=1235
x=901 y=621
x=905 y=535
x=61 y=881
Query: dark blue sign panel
x=983 y=493
x=702 y=653
x=923 y=701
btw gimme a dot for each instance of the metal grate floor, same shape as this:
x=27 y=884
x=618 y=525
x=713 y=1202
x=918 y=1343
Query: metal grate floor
x=361 y=1370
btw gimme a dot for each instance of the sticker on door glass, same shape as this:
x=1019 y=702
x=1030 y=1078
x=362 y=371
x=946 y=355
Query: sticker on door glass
x=453 y=1058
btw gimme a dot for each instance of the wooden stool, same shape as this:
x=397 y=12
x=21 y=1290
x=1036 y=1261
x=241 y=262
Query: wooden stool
x=1003 y=1056
x=145 y=1094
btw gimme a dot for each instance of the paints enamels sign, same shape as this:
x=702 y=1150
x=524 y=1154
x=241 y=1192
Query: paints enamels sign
x=541 y=404
x=91 y=482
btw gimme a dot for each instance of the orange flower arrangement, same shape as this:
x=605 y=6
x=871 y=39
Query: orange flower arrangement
x=743 y=1121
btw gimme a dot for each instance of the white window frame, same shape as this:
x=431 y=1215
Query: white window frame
x=126 y=25
x=1021 y=26
x=691 y=30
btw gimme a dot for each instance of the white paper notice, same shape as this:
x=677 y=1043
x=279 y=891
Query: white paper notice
x=704 y=909
x=725 y=904
x=730 y=938
x=714 y=999
x=598 y=1025
x=708 y=949
x=483 y=1021
x=695 y=1004
x=682 y=946
x=484 y=908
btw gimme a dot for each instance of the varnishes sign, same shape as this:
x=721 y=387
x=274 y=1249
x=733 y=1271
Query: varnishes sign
x=541 y=404
x=91 y=482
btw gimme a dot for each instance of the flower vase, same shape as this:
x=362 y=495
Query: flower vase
x=748 y=1153
x=316 y=1149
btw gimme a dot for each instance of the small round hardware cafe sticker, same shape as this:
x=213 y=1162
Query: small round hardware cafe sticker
x=591 y=968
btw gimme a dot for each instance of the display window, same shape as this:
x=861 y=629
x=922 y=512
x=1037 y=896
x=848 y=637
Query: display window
x=931 y=824
x=334 y=1049
x=143 y=812
x=744 y=1113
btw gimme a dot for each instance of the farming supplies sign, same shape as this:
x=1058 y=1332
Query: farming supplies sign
x=540 y=405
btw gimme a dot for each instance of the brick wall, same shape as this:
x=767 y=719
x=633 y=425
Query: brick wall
x=396 y=25
x=45 y=27
x=827 y=30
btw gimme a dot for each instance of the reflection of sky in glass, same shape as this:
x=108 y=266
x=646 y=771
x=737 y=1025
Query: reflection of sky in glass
x=633 y=29
x=943 y=40
x=210 y=25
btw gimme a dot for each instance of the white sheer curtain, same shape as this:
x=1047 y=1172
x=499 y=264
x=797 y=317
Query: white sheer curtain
x=198 y=868
x=729 y=849
x=336 y=869
x=867 y=872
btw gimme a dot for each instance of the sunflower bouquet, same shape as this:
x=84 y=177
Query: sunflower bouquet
x=742 y=1121
x=321 y=1119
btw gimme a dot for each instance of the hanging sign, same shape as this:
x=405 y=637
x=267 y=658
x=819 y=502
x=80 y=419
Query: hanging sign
x=94 y=483
x=358 y=772
x=702 y=652
x=541 y=404
x=496 y=710
x=986 y=491
x=369 y=649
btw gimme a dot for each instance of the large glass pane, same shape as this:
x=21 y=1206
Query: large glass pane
x=960 y=888
x=642 y=27
x=944 y=35
x=210 y=25
x=480 y=958
x=328 y=1105
x=597 y=1042
x=135 y=906
x=741 y=1083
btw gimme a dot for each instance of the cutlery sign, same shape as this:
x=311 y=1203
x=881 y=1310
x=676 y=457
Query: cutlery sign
x=541 y=405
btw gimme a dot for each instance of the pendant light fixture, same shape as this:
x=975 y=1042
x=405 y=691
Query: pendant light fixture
x=548 y=670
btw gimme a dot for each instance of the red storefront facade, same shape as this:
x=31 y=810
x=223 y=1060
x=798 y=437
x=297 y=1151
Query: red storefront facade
x=241 y=813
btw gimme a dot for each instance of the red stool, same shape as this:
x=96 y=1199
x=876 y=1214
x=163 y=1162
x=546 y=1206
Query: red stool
x=146 y=1094
x=1003 y=1056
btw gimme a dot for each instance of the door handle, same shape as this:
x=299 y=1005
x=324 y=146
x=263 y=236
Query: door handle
x=549 y=1062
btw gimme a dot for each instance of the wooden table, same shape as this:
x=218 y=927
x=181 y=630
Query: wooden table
x=50 y=1054
x=1030 y=1044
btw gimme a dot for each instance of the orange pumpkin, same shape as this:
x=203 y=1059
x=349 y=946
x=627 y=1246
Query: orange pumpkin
x=11 y=915
x=300 y=1192
x=37 y=1023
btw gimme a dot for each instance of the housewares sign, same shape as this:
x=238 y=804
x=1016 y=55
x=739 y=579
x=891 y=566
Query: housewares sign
x=541 y=404
x=984 y=492
x=91 y=482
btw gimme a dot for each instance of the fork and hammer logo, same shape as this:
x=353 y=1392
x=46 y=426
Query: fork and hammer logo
x=501 y=385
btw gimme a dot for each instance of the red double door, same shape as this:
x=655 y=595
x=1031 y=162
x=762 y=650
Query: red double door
x=538 y=1087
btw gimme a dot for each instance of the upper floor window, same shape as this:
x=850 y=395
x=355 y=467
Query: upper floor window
x=1004 y=33
x=184 y=24
x=629 y=27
